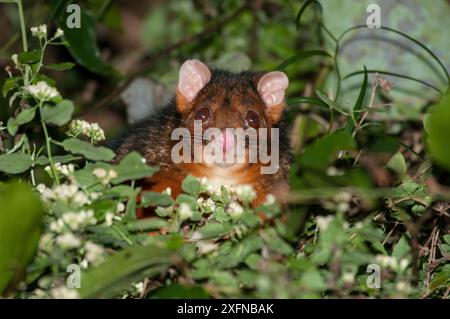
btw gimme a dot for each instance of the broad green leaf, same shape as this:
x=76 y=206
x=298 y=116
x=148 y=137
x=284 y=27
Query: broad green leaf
x=58 y=114
x=129 y=265
x=27 y=115
x=323 y=150
x=132 y=167
x=437 y=126
x=401 y=249
x=30 y=56
x=20 y=228
x=82 y=43
x=191 y=185
x=155 y=199
x=76 y=146
x=15 y=163
x=214 y=230
x=12 y=126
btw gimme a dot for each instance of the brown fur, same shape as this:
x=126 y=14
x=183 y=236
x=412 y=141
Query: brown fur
x=228 y=96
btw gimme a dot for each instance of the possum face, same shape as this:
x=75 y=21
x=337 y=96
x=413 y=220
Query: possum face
x=229 y=113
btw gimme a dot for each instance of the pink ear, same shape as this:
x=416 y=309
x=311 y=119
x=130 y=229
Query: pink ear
x=193 y=77
x=271 y=87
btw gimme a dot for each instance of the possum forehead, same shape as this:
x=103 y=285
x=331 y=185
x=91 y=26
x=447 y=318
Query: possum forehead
x=231 y=96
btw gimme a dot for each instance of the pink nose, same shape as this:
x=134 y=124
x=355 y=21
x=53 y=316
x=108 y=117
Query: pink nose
x=227 y=141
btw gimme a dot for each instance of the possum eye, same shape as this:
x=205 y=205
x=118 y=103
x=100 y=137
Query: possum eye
x=202 y=115
x=252 y=119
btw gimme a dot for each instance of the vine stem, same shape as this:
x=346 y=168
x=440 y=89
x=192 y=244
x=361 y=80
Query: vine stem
x=47 y=143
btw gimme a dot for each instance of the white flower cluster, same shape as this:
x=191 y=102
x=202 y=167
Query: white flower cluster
x=184 y=211
x=111 y=217
x=103 y=175
x=235 y=210
x=69 y=193
x=66 y=170
x=94 y=252
x=323 y=221
x=92 y=130
x=245 y=193
x=207 y=205
x=68 y=241
x=42 y=91
x=59 y=33
x=39 y=31
x=392 y=262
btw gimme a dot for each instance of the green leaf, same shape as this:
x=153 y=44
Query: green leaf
x=323 y=150
x=300 y=56
x=12 y=126
x=61 y=66
x=20 y=228
x=30 y=56
x=437 y=127
x=15 y=163
x=82 y=44
x=214 y=230
x=397 y=164
x=88 y=150
x=132 y=167
x=191 y=185
x=59 y=114
x=147 y=224
x=27 y=115
x=401 y=249
x=155 y=199
x=9 y=85
x=131 y=264
x=178 y=291
x=359 y=102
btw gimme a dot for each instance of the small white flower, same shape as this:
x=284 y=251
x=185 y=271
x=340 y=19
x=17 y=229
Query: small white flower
x=68 y=241
x=206 y=247
x=59 y=33
x=109 y=218
x=63 y=292
x=270 y=199
x=57 y=226
x=185 y=211
x=39 y=31
x=120 y=207
x=15 y=59
x=84 y=264
x=93 y=252
x=168 y=191
x=403 y=264
x=245 y=192
x=139 y=287
x=45 y=242
x=323 y=221
x=99 y=173
x=348 y=277
x=42 y=91
x=403 y=286
x=235 y=210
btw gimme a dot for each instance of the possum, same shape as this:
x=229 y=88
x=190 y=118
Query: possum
x=214 y=99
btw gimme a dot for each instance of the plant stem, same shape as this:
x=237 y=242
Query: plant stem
x=22 y=25
x=47 y=142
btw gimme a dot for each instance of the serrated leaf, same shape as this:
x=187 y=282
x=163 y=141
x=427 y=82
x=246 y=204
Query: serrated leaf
x=76 y=146
x=132 y=167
